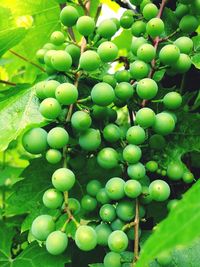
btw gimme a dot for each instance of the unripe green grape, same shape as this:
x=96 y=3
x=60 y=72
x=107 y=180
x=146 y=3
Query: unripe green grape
x=61 y=60
x=152 y=166
x=85 y=25
x=188 y=177
x=126 y=21
x=66 y=93
x=56 y=242
x=145 y=198
x=110 y=79
x=89 y=61
x=50 y=46
x=146 y=53
x=155 y=27
x=53 y=156
x=136 y=2
x=88 y=203
x=103 y=231
x=183 y=64
x=144 y=3
x=57 y=38
x=108 y=158
x=35 y=140
x=52 y=198
x=117 y=23
x=57 y=137
x=112 y=133
x=164 y=259
x=118 y=241
x=93 y=187
x=107 y=51
x=132 y=188
x=172 y=204
x=188 y=24
x=102 y=196
x=85 y=238
x=63 y=179
x=128 y=12
x=107 y=28
x=172 y=100
x=175 y=171
x=69 y=16
x=195 y=7
x=171 y=113
x=39 y=90
x=42 y=226
x=90 y=140
x=81 y=120
x=47 y=58
x=136 y=43
x=147 y=88
x=112 y=115
x=164 y=123
x=99 y=113
x=115 y=188
x=131 y=233
x=74 y=205
x=124 y=90
x=136 y=171
x=132 y=154
x=181 y=10
x=119 y=103
x=50 y=71
x=40 y=55
x=122 y=76
x=74 y=51
x=107 y=213
x=139 y=69
x=169 y=54
x=150 y=11
x=50 y=108
x=145 y=117
x=159 y=190
x=117 y=224
x=157 y=142
x=138 y=28
x=135 y=135
x=185 y=44
x=50 y=88
x=112 y=259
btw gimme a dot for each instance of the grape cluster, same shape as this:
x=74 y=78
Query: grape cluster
x=93 y=122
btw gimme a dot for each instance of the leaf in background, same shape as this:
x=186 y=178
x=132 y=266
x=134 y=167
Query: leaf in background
x=93 y=7
x=196 y=41
x=123 y=41
x=6 y=236
x=9 y=175
x=170 y=20
x=196 y=60
x=158 y=75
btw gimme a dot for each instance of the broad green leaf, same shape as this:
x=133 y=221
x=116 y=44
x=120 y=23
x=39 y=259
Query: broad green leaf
x=9 y=175
x=170 y=20
x=196 y=41
x=93 y=7
x=6 y=236
x=158 y=75
x=120 y=40
x=196 y=60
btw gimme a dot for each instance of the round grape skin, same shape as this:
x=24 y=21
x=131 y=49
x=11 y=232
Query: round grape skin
x=110 y=79
x=107 y=213
x=159 y=190
x=35 y=140
x=175 y=171
x=66 y=93
x=152 y=166
x=136 y=43
x=112 y=133
x=74 y=205
x=131 y=233
x=56 y=242
x=157 y=142
x=115 y=188
x=68 y=16
x=181 y=10
x=172 y=204
x=50 y=88
x=126 y=21
x=146 y=53
x=145 y=117
x=49 y=46
x=102 y=196
x=90 y=140
x=172 y=100
x=183 y=64
x=185 y=44
x=169 y=54
x=155 y=27
x=108 y=158
x=188 y=177
x=145 y=197
x=50 y=108
x=132 y=188
x=85 y=238
x=53 y=156
x=99 y=113
x=81 y=120
x=107 y=28
x=57 y=38
x=135 y=135
x=164 y=259
x=122 y=76
x=89 y=60
x=132 y=154
x=42 y=226
x=102 y=94
x=139 y=69
x=74 y=52
x=112 y=259
x=63 y=179
x=48 y=56
x=52 y=198
x=136 y=2
x=61 y=60
x=117 y=224
x=85 y=25
x=136 y=171
x=93 y=187
x=188 y=24
x=118 y=241
x=147 y=88
x=40 y=55
x=150 y=11
x=164 y=123
x=57 y=138
x=103 y=231
x=124 y=91
x=88 y=203
x=195 y=7
x=138 y=28
x=107 y=51
x=39 y=90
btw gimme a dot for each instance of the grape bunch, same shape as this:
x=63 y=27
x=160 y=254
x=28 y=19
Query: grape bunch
x=88 y=121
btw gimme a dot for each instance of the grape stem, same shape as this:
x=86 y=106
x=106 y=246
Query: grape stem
x=136 y=224
x=8 y=83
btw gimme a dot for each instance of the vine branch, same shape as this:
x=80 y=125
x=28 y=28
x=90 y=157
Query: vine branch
x=8 y=83
x=136 y=231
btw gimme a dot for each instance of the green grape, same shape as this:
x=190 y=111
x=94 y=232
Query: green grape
x=107 y=51
x=183 y=64
x=63 y=179
x=136 y=43
x=99 y=113
x=117 y=23
x=47 y=58
x=102 y=196
x=145 y=117
x=136 y=171
x=66 y=93
x=90 y=140
x=108 y=158
x=131 y=233
x=85 y=25
x=103 y=231
x=126 y=21
x=172 y=114
x=138 y=28
x=61 y=60
x=50 y=46
x=118 y=241
x=147 y=88
x=135 y=135
x=150 y=11
x=128 y=12
x=164 y=123
x=107 y=213
x=169 y=54
x=175 y=171
x=157 y=142
x=172 y=204
x=50 y=108
x=132 y=154
x=74 y=205
x=107 y=28
x=57 y=137
x=69 y=16
x=74 y=51
x=144 y=3
x=122 y=76
x=117 y=224
x=124 y=90
x=152 y=166
x=57 y=242
x=57 y=38
x=159 y=190
x=155 y=27
x=39 y=90
x=181 y=10
x=136 y=2
x=139 y=69
x=93 y=187
x=172 y=100
x=89 y=61
x=145 y=197
x=112 y=133
x=108 y=78
x=195 y=7
x=115 y=188
x=50 y=88
x=188 y=177
x=85 y=238
x=49 y=70
x=40 y=55
x=185 y=44
x=42 y=226
x=102 y=94
x=132 y=188
x=146 y=53
x=188 y=24
x=81 y=120
x=35 y=140
x=52 y=198
x=112 y=115
x=88 y=203
x=112 y=259
x=164 y=259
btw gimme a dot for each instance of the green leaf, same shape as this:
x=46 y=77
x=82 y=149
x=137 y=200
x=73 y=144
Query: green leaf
x=170 y=20
x=96 y=265
x=181 y=227
x=196 y=60
x=6 y=236
x=158 y=75
x=93 y=7
x=9 y=175
x=123 y=41
x=196 y=41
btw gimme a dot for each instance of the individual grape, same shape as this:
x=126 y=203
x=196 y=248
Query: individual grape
x=57 y=137
x=52 y=198
x=181 y=10
x=136 y=2
x=145 y=197
x=175 y=171
x=40 y=55
x=195 y=7
x=107 y=51
x=159 y=190
x=164 y=123
x=107 y=213
x=131 y=233
x=157 y=142
x=102 y=196
x=115 y=188
x=112 y=133
x=172 y=114
x=88 y=203
x=188 y=177
x=57 y=38
x=172 y=204
x=145 y=117
x=108 y=158
x=136 y=43
x=89 y=60
x=147 y=88
x=150 y=11
x=50 y=88
x=138 y=28
x=74 y=51
x=39 y=90
x=85 y=238
x=63 y=179
x=118 y=241
x=47 y=58
x=146 y=53
x=164 y=259
x=99 y=113
x=122 y=76
x=102 y=94
x=135 y=135
x=110 y=79
x=61 y=60
x=42 y=226
x=74 y=205
x=152 y=166
x=112 y=259
x=56 y=243
x=112 y=115
x=93 y=187
x=49 y=46
x=139 y=69
x=107 y=28
x=66 y=93
x=35 y=140
x=124 y=90
x=50 y=108
x=155 y=27
x=81 y=120
x=103 y=231
x=188 y=24
x=136 y=171
x=169 y=54
x=132 y=188
x=90 y=140
x=69 y=16
x=117 y=224
x=53 y=156
x=185 y=44
x=126 y=21
x=132 y=154
x=183 y=64
x=172 y=100
x=85 y=25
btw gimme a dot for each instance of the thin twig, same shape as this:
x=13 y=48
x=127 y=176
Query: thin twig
x=8 y=83
x=136 y=232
